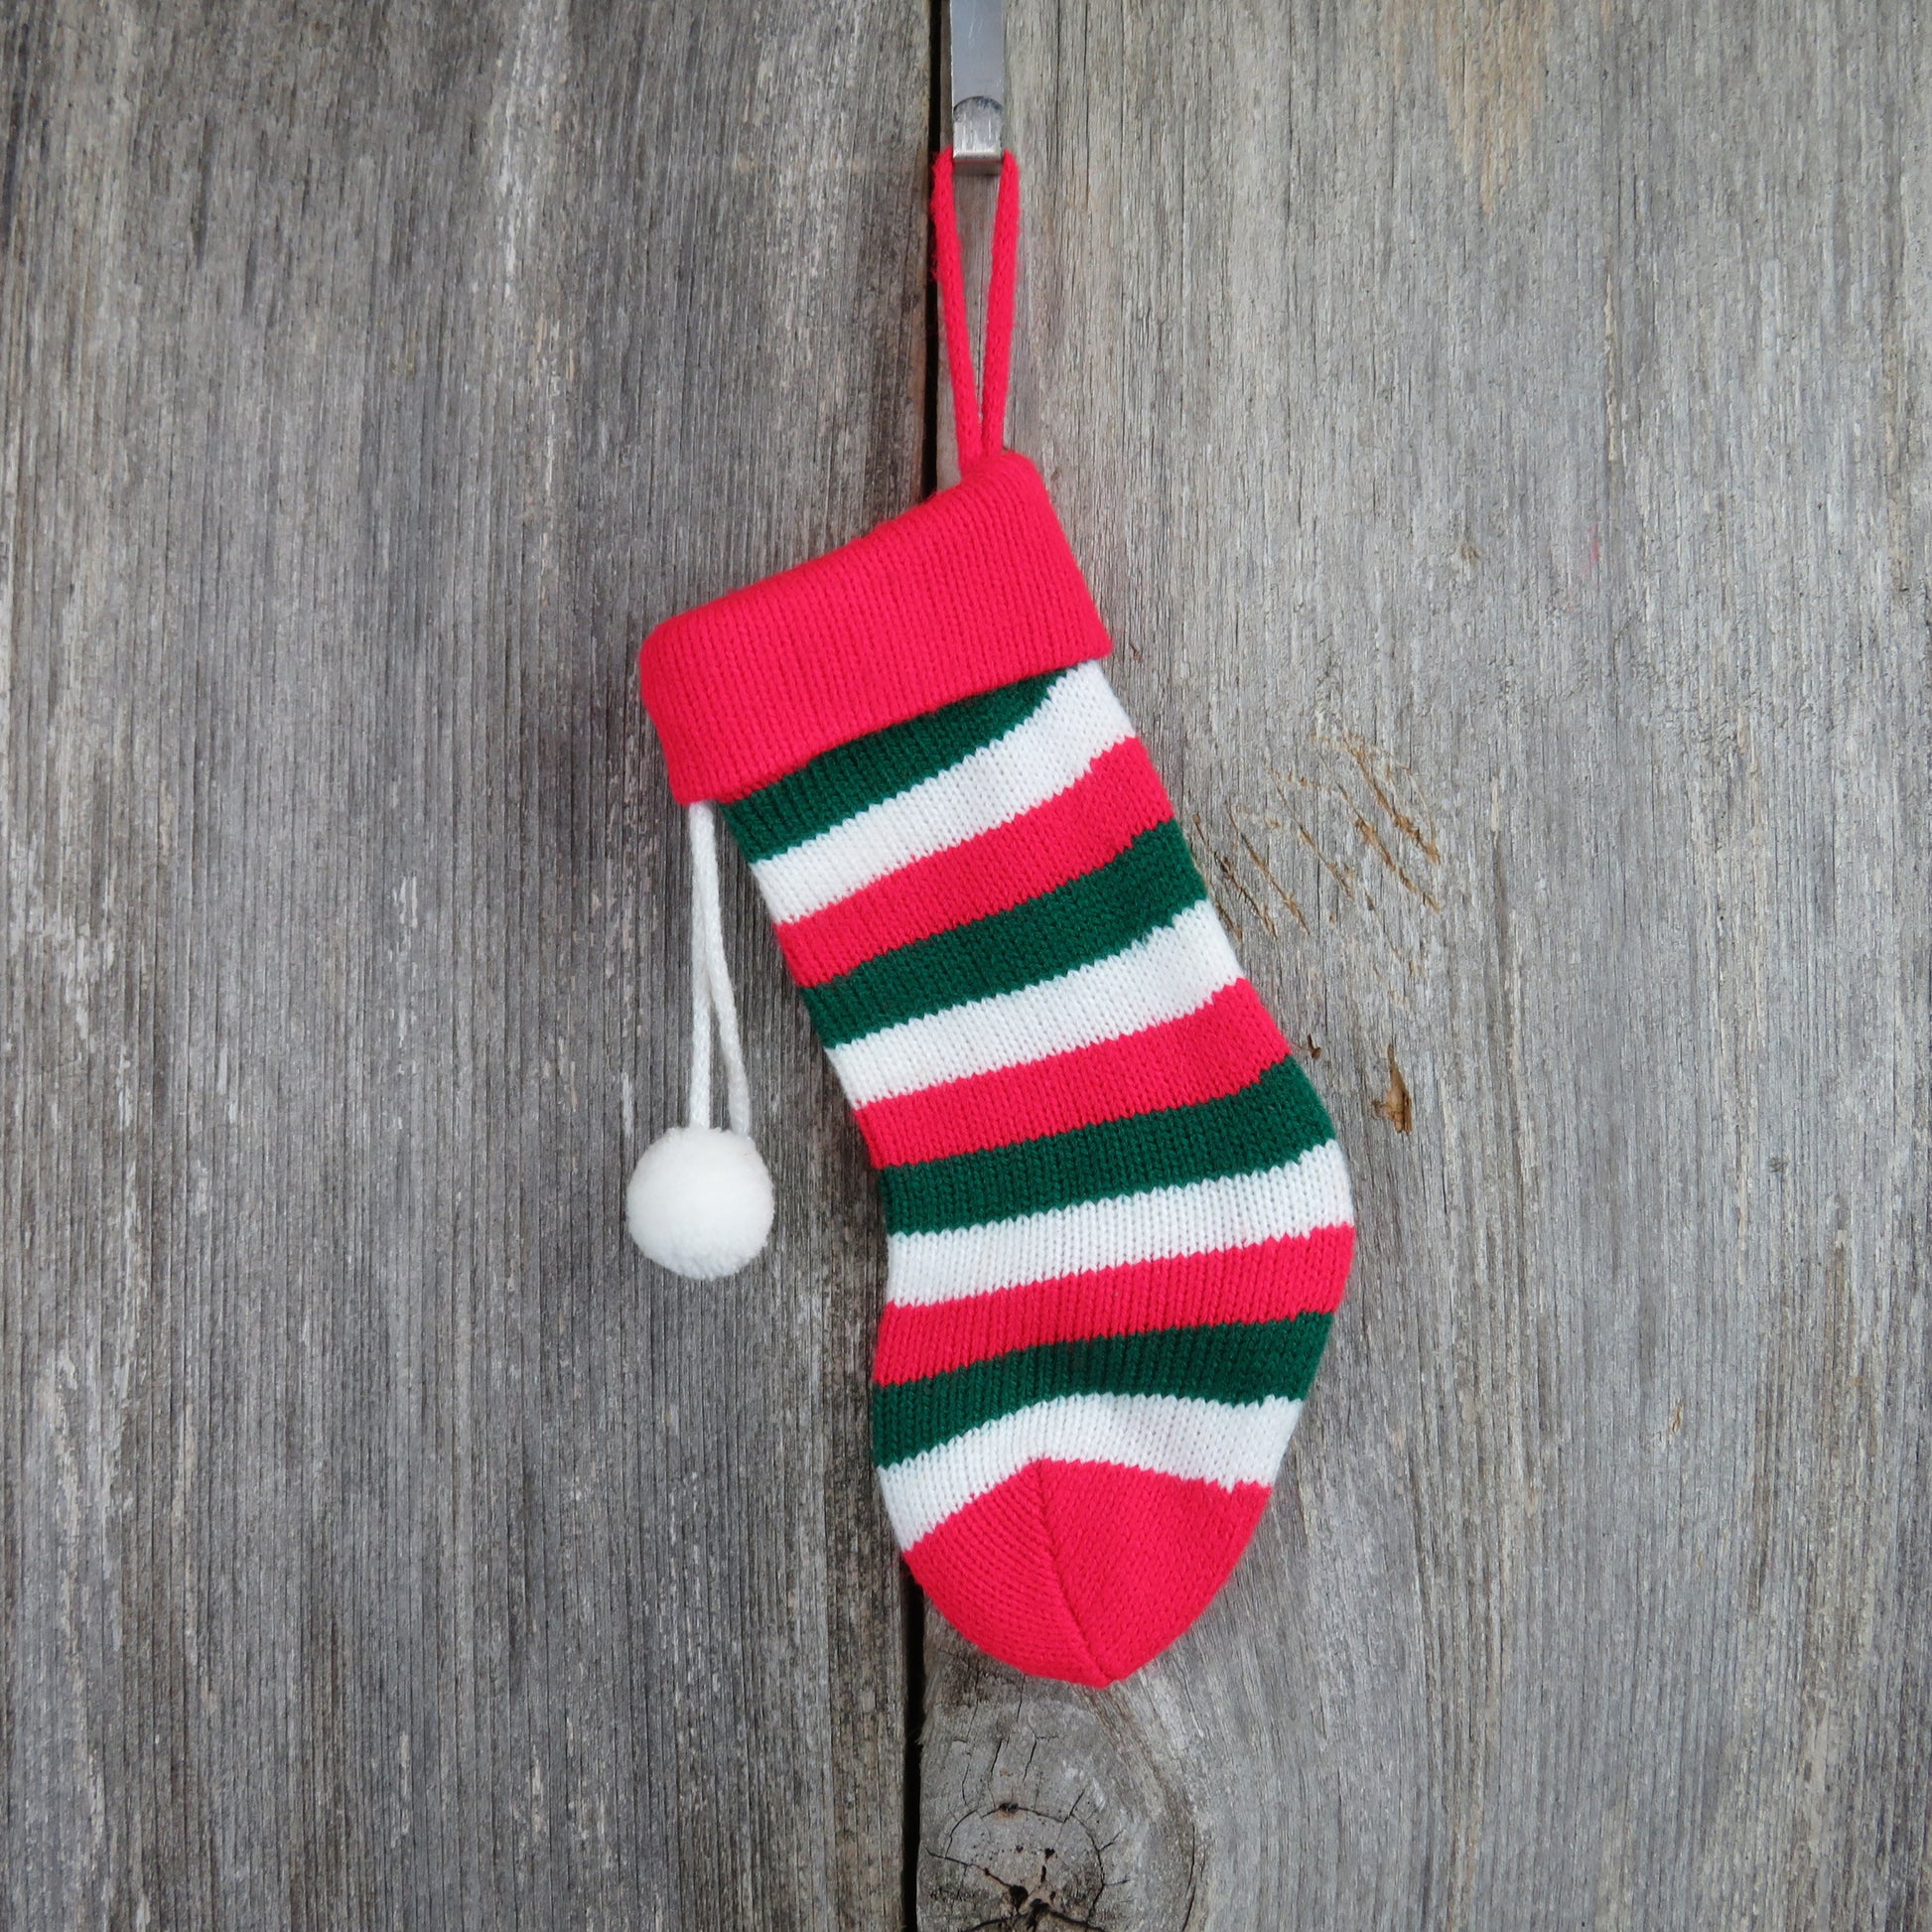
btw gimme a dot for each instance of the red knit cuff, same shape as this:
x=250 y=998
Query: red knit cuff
x=973 y=589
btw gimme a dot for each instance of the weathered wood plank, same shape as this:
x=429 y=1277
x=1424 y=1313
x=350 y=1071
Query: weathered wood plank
x=384 y=1543
x=1497 y=435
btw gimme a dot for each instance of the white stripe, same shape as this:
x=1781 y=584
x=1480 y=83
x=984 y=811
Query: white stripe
x=1201 y=1217
x=1174 y=1435
x=1047 y=751
x=1163 y=975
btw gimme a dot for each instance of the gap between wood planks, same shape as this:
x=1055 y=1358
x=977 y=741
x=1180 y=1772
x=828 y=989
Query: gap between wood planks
x=977 y=199
x=913 y=1624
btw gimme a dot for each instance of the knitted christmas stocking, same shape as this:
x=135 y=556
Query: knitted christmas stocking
x=1117 y=1219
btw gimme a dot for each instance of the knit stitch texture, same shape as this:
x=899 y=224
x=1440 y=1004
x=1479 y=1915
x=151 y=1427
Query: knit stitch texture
x=1117 y=1219
x=973 y=588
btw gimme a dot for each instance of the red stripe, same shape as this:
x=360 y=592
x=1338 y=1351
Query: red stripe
x=1269 y=1282
x=1215 y=1051
x=1095 y=819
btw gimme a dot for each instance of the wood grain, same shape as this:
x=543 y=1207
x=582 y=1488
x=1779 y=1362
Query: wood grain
x=1496 y=436
x=383 y=1542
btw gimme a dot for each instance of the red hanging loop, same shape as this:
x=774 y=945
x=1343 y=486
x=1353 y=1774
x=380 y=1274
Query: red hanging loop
x=978 y=429
x=999 y=310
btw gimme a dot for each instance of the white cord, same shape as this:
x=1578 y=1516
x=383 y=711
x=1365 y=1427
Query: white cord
x=710 y=985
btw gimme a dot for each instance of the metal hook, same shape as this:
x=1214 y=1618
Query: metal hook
x=979 y=85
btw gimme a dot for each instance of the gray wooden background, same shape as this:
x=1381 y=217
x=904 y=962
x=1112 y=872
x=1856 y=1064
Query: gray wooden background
x=1500 y=437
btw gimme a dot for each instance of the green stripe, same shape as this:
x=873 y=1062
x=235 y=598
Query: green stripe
x=1274 y=1119
x=849 y=777
x=1236 y=1362
x=1085 y=919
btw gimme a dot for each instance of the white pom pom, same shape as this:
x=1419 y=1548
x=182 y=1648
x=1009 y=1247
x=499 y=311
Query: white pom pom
x=700 y=1202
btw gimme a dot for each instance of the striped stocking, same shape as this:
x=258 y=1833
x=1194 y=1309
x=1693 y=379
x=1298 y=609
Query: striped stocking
x=1117 y=1219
